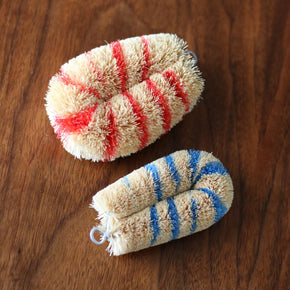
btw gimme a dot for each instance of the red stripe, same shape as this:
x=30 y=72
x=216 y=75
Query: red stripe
x=111 y=140
x=74 y=123
x=172 y=78
x=121 y=64
x=146 y=56
x=99 y=75
x=67 y=80
x=162 y=102
x=141 y=119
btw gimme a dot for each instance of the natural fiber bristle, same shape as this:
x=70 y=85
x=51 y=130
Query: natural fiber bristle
x=119 y=98
x=172 y=197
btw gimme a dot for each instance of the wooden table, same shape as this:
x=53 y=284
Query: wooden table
x=243 y=118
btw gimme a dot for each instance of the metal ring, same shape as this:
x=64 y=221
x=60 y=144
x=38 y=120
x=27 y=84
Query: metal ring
x=193 y=54
x=104 y=238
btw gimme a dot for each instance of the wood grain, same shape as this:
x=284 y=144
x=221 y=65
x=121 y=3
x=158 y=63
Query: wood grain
x=243 y=118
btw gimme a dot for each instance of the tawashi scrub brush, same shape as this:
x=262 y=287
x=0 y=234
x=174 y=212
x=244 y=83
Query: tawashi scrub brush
x=118 y=98
x=172 y=197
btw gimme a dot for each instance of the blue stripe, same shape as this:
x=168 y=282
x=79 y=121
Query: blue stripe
x=210 y=168
x=193 y=161
x=193 y=208
x=156 y=179
x=173 y=217
x=174 y=173
x=154 y=223
x=126 y=181
x=220 y=209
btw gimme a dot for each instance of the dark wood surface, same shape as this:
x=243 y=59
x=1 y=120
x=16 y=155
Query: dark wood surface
x=243 y=118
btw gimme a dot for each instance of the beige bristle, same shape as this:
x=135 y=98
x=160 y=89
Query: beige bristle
x=111 y=83
x=170 y=198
